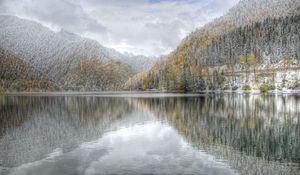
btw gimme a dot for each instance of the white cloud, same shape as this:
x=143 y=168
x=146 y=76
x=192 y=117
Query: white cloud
x=148 y=27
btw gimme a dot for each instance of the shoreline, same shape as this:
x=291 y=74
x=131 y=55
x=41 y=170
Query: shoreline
x=145 y=93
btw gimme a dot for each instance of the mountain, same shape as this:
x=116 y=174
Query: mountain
x=56 y=54
x=140 y=63
x=95 y=75
x=34 y=42
x=247 y=12
x=16 y=75
x=255 y=44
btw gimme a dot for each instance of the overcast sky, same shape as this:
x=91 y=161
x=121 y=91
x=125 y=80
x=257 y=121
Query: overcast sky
x=148 y=27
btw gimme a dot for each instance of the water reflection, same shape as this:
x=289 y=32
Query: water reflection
x=253 y=133
x=260 y=126
x=210 y=134
x=134 y=150
x=32 y=127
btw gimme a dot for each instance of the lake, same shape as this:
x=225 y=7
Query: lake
x=116 y=133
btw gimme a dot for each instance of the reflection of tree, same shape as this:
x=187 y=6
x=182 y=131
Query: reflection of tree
x=16 y=110
x=265 y=127
x=32 y=127
x=245 y=130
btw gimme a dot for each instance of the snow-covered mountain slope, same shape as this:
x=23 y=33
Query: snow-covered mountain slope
x=56 y=53
x=247 y=12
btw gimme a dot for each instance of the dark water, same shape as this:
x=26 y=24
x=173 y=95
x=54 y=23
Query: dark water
x=150 y=134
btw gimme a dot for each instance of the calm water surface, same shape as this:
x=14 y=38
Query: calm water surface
x=150 y=134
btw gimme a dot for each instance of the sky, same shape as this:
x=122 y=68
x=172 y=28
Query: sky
x=141 y=27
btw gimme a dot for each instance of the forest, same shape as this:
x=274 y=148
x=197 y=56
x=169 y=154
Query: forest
x=211 y=61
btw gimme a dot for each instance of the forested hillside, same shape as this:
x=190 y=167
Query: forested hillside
x=94 y=75
x=16 y=75
x=256 y=45
x=19 y=76
x=72 y=62
x=223 y=56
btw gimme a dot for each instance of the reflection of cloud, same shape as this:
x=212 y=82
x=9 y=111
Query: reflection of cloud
x=148 y=27
x=152 y=148
x=143 y=148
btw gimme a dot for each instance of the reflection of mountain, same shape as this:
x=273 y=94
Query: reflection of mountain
x=32 y=127
x=253 y=134
x=244 y=130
